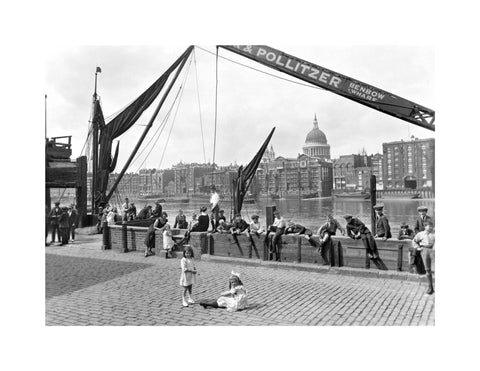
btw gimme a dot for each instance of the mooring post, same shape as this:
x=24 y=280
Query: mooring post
x=373 y=201
x=106 y=236
x=400 y=258
x=124 y=237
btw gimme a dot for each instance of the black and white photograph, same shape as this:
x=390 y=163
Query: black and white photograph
x=242 y=184
x=252 y=185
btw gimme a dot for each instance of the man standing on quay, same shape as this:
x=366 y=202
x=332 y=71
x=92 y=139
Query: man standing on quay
x=214 y=200
x=424 y=242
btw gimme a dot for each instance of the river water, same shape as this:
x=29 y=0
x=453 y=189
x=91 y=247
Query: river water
x=311 y=213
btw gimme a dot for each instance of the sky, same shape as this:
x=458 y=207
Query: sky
x=249 y=101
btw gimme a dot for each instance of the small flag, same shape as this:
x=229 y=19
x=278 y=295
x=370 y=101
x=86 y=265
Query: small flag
x=99 y=69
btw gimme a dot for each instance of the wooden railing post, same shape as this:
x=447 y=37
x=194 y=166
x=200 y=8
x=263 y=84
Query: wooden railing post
x=400 y=258
x=106 y=236
x=299 y=249
x=124 y=237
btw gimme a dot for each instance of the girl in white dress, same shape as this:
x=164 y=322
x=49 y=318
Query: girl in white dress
x=234 y=299
x=188 y=276
x=168 y=242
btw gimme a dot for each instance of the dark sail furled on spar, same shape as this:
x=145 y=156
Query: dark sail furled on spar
x=121 y=123
x=245 y=176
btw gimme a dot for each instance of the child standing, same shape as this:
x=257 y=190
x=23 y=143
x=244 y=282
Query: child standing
x=188 y=276
x=168 y=242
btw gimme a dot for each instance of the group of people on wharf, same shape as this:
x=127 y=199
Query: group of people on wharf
x=421 y=251
x=62 y=221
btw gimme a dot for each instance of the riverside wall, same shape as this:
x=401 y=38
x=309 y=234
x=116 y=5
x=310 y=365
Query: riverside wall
x=345 y=251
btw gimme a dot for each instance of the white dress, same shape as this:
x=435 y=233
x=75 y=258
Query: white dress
x=168 y=242
x=187 y=278
x=235 y=300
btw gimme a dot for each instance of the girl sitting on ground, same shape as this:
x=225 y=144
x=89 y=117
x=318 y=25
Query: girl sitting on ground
x=234 y=299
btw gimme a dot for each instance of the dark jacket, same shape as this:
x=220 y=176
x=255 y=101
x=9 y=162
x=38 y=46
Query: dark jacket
x=55 y=215
x=420 y=224
x=181 y=222
x=144 y=213
x=240 y=225
x=406 y=234
x=157 y=211
x=356 y=226
x=73 y=218
x=296 y=228
x=63 y=220
x=383 y=228
x=202 y=225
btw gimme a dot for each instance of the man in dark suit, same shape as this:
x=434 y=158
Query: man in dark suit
x=382 y=225
x=54 y=220
x=73 y=220
x=357 y=230
x=422 y=219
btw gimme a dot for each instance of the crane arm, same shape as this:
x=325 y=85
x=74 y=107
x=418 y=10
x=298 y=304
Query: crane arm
x=337 y=83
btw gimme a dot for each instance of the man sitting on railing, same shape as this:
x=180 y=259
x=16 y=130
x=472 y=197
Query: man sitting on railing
x=145 y=213
x=382 y=225
x=325 y=232
x=278 y=228
x=357 y=230
x=239 y=226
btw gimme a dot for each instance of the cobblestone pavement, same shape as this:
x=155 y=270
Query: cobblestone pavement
x=88 y=286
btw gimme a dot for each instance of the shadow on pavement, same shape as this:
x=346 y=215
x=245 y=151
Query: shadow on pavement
x=66 y=274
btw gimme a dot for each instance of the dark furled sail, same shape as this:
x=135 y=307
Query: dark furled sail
x=121 y=123
x=245 y=176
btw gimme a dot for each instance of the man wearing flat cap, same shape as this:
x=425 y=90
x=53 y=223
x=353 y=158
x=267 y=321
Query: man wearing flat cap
x=54 y=217
x=357 y=230
x=422 y=219
x=382 y=226
x=157 y=212
x=424 y=242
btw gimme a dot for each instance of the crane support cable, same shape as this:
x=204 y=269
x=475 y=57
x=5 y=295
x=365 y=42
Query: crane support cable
x=199 y=106
x=157 y=132
x=337 y=83
x=216 y=109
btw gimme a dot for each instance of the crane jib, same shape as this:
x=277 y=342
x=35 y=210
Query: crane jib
x=337 y=83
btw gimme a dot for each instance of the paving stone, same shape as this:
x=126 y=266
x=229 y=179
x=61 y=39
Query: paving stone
x=88 y=286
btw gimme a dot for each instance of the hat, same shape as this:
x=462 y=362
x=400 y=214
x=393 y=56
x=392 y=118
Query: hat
x=235 y=274
x=378 y=207
x=422 y=208
x=404 y=225
x=255 y=216
x=347 y=216
x=158 y=201
x=203 y=208
x=221 y=211
x=57 y=203
x=238 y=214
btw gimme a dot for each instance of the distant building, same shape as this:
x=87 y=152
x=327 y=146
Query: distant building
x=409 y=165
x=352 y=172
x=316 y=143
x=310 y=173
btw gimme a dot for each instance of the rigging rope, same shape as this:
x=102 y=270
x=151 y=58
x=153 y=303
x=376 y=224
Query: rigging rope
x=216 y=96
x=159 y=130
x=266 y=73
x=180 y=95
x=303 y=84
x=199 y=107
